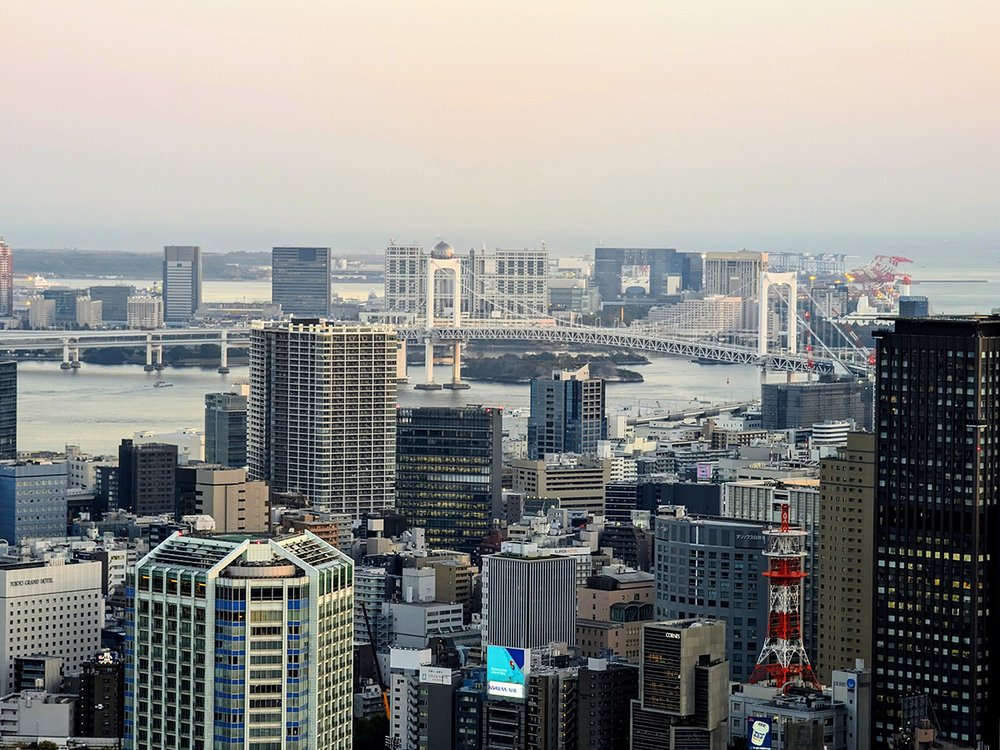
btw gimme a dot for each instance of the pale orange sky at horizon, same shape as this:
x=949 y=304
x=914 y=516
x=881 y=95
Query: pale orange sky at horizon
x=783 y=125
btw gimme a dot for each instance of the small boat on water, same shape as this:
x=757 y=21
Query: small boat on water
x=162 y=384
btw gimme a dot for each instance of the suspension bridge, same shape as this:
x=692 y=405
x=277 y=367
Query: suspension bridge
x=455 y=330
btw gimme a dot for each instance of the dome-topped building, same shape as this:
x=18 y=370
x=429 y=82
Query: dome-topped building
x=442 y=251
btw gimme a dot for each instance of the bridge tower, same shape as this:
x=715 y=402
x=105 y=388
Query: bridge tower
x=767 y=280
x=442 y=258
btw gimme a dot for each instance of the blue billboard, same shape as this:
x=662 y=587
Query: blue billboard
x=506 y=670
x=758 y=732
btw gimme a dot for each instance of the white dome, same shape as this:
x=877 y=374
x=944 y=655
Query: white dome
x=442 y=250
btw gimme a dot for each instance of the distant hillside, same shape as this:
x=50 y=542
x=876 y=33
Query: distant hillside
x=131 y=265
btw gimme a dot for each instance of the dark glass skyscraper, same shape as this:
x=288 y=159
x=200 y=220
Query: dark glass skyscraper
x=567 y=414
x=300 y=280
x=937 y=631
x=8 y=410
x=448 y=471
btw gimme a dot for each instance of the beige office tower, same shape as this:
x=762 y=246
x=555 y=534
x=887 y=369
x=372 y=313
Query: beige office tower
x=846 y=532
x=736 y=275
x=321 y=419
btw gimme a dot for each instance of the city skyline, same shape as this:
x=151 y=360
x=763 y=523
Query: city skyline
x=785 y=129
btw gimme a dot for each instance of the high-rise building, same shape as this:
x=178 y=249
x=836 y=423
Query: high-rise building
x=529 y=598
x=683 y=686
x=6 y=280
x=321 y=419
x=847 y=540
x=8 y=410
x=405 y=279
x=147 y=477
x=100 y=711
x=495 y=284
x=567 y=414
x=552 y=701
x=145 y=312
x=658 y=271
x=114 y=302
x=606 y=690
x=507 y=284
x=226 y=429
x=449 y=465
x=734 y=274
x=936 y=567
x=711 y=568
x=69 y=594
x=300 y=280
x=798 y=406
x=32 y=500
x=243 y=643
x=181 y=282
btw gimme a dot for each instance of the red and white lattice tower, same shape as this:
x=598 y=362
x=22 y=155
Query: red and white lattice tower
x=783 y=661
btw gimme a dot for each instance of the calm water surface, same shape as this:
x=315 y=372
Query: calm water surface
x=97 y=405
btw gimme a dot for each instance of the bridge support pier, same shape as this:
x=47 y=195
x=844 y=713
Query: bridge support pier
x=65 y=360
x=456 y=383
x=428 y=384
x=401 y=361
x=74 y=356
x=158 y=357
x=223 y=354
x=149 y=354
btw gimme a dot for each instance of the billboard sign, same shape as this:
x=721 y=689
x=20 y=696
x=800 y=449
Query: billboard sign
x=704 y=471
x=759 y=732
x=506 y=671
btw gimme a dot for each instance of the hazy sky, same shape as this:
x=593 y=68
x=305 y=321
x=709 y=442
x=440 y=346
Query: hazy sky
x=698 y=124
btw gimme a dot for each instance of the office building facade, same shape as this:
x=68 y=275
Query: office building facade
x=114 y=302
x=683 y=682
x=798 y=406
x=8 y=410
x=506 y=284
x=32 y=500
x=734 y=274
x=240 y=643
x=661 y=271
x=6 y=280
x=100 y=712
x=529 y=598
x=936 y=567
x=577 y=482
x=847 y=540
x=147 y=477
x=449 y=465
x=181 y=282
x=567 y=414
x=713 y=568
x=321 y=418
x=606 y=691
x=73 y=590
x=226 y=429
x=300 y=280
x=144 y=312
